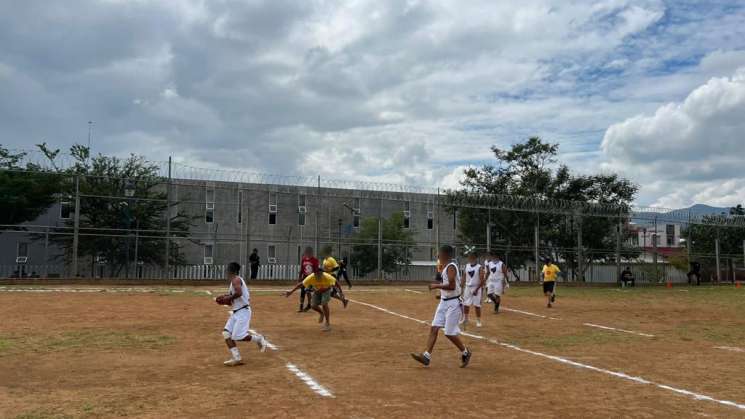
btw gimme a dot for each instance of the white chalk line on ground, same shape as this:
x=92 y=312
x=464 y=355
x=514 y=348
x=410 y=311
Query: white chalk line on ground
x=527 y=313
x=634 y=379
x=730 y=348
x=618 y=330
x=599 y=326
x=302 y=375
x=309 y=381
x=415 y=292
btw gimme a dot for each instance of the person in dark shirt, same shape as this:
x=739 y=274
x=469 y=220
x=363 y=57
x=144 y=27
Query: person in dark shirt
x=343 y=272
x=255 y=262
x=695 y=271
x=627 y=277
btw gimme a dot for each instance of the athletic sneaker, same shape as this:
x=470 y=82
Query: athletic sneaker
x=261 y=343
x=478 y=323
x=326 y=328
x=421 y=359
x=306 y=308
x=345 y=302
x=465 y=358
x=233 y=362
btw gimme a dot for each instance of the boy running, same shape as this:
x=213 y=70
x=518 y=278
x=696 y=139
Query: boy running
x=307 y=264
x=322 y=283
x=448 y=310
x=473 y=279
x=549 y=273
x=331 y=267
x=497 y=281
x=236 y=329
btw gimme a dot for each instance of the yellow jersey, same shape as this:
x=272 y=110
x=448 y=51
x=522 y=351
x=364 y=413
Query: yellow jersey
x=326 y=281
x=549 y=272
x=329 y=264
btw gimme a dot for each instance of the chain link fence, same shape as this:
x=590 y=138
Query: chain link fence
x=188 y=223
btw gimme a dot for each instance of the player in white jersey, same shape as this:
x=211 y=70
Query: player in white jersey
x=497 y=281
x=449 y=310
x=237 y=327
x=473 y=283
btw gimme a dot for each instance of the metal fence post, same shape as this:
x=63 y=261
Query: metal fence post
x=580 y=253
x=535 y=248
x=380 y=238
x=716 y=253
x=76 y=228
x=618 y=248
x=168 y=221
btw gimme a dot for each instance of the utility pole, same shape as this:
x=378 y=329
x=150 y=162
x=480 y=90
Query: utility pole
x=318 y=216
x=90 y=136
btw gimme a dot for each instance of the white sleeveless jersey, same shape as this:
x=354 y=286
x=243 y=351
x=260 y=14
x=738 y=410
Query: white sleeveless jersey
x=243 y=300
x=473 y=275
x=450 y=293
x=495 y=270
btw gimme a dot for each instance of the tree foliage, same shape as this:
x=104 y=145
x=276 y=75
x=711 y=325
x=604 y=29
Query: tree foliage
x=26 y=189
x=397 y=246
x=703 y=248
x=114 y=226
x=531 y=169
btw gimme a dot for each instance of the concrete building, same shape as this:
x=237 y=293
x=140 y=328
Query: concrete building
x=230 y=219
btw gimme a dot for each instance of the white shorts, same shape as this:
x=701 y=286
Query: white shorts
x=472 y=300
x=495 y=287
x=238 y=324
x=448 y=316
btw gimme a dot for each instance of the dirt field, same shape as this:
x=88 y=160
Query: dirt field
x=146 y=352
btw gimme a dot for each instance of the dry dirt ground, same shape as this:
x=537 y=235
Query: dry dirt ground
x=158 y=352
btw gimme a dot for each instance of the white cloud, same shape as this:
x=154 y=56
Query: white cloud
x=693 y=149
x=376 y=90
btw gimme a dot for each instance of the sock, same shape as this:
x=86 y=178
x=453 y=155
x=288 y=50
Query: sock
x=427 y=355
x=236 y=354
x=255 y=338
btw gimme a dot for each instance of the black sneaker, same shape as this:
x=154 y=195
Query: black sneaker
x=306 y=309
x=465 y=358
x=421 y=359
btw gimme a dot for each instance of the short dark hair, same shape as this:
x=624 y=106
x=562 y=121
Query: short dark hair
x=234 y=268
x=447 y=249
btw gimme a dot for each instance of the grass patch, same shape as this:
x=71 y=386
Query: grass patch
x=93 y=339
x=581 y=339
x=43 y=414
x=711 y=331
x=6 y=344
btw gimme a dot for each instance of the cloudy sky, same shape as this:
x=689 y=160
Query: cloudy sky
x=388 y=90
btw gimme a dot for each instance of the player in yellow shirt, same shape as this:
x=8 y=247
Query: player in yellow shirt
x=331 y=267
x=549 y=274
x=322 y=283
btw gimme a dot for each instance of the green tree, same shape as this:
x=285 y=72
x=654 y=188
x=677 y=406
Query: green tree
x=123 y=211
x=26 y=189
x=704 y=236
x=397 y=245
x=529 y=171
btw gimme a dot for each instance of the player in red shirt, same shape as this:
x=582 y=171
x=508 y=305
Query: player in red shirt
x=308 y=264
